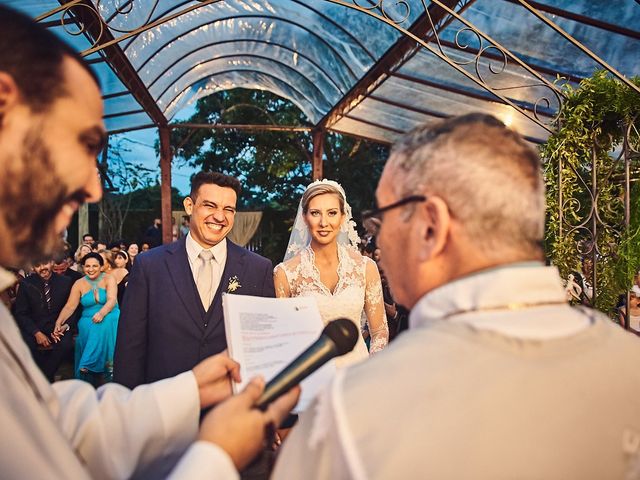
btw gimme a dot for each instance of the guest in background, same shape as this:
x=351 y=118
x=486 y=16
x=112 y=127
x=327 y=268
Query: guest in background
x=81 y=252
x=132 y=251
x=121 y=273
x=87 y=239
x=109 y=262
x=40 y=300
x=144 y=248
x=634 y=311
x=62 y=266
x=97 y=327
x=174 y=229
x=98 y=246
x=184 y=226
x=114 y=247
x=153 y=235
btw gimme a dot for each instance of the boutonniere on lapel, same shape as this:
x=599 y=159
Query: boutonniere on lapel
x=234 y=284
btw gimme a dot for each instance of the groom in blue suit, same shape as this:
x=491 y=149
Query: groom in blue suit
x=171 y=315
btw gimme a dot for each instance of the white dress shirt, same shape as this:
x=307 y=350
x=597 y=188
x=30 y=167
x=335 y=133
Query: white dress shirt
x=219 y=252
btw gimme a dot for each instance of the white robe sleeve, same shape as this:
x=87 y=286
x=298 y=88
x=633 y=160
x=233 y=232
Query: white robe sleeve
x=205 y=461
x=120 y=433
x=315 y=448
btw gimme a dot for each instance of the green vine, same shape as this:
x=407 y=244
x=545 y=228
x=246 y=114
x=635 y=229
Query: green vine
x=593 y=123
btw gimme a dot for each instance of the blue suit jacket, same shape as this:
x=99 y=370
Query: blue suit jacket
x=163 y=328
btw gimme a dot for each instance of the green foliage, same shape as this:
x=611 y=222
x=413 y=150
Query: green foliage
x=592 y=125
x=274 y=167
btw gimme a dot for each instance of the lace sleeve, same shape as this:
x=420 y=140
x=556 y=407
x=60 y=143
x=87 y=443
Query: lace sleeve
x=281 y=283
x=374 y=308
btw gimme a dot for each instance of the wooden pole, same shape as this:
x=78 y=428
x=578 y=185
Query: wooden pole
x=165 y=182
x=318 y=152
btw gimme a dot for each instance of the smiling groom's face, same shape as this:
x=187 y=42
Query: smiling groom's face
x=212 y=213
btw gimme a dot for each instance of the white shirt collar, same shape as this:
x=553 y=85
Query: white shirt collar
x=194 y=248
x=502 y=299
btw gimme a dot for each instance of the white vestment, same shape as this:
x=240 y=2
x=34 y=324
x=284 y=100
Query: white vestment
x=497 y=378
x=69 y=430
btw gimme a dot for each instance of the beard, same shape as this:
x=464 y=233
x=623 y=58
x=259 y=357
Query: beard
x=31 y=195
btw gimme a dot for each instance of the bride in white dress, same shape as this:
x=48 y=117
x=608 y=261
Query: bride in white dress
x=322 y=261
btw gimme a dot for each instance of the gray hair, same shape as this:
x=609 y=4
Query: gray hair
x=490 y=178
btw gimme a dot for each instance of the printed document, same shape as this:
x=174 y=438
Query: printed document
x=265 y=334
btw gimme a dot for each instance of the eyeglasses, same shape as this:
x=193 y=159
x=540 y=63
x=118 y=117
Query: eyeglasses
x=372 y=219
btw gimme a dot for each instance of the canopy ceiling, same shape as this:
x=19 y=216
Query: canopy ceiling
x=348 y=65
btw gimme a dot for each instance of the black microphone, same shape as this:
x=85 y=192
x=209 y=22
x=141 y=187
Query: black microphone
x=337 y=338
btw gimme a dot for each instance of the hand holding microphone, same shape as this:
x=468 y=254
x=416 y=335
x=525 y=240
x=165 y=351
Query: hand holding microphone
x=337 y=338
x=238 y=427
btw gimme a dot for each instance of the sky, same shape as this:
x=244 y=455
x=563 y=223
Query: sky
x=140 y=145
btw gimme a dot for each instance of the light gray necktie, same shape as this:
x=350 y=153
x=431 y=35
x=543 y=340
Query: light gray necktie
x=205 y=277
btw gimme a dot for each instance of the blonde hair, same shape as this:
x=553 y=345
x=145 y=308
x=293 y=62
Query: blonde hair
x=78 y=255
x=108 y=257
x=316 y=189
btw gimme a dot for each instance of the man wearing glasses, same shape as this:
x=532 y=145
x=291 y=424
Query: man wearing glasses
x=497 y=377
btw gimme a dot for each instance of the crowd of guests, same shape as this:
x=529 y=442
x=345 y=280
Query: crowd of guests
x=579 y=291
x=497 y=377
x=67 y=307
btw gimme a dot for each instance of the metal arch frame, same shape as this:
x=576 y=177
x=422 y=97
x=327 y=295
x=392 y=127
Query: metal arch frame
x=576 y=17
x=248 y=40
x=302 y=4
x=279 y=80
x=397 y=53
x=479 y=94
x=429 y=113
x=123 y=114
x=386 y=19
x=442 y=56
x=408 y=35
x=117 y=59
x=580 y=46
x=423 y=111
x=302 y=27
x=538 y=68
x=223 y=57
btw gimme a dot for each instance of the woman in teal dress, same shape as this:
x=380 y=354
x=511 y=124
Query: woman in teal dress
x=98 y=325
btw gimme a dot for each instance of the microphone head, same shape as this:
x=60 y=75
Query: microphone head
x=344 y=334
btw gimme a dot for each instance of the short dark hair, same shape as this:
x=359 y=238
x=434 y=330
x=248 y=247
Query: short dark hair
x=95 y=255
x=216 y=178
x=62 y=257
x=33 y=56
x=86 y=235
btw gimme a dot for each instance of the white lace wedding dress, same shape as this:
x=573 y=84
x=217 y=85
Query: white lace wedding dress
x=358 y=289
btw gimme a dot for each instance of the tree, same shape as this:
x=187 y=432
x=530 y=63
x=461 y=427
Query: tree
x=274 y=167
x=121 y=178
